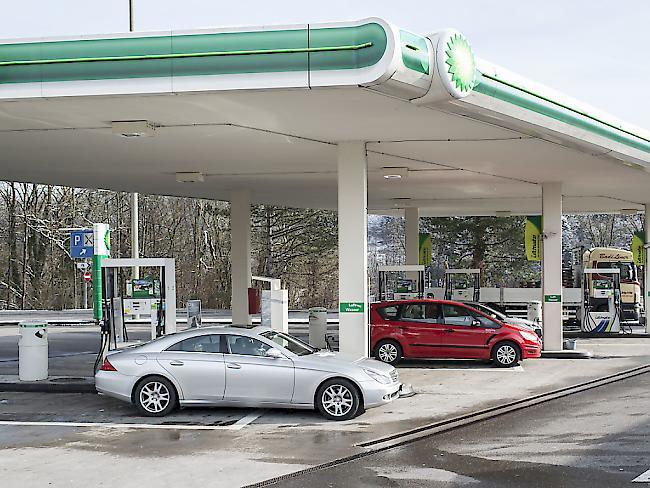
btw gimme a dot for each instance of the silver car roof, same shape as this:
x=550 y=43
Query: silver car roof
x=164 y=342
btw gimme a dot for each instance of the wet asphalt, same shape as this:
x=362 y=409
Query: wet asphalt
x=596 y=439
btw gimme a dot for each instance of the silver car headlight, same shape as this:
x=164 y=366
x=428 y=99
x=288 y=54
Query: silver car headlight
x=380 y=378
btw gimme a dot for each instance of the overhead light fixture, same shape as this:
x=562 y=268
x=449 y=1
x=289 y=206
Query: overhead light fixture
x=133 y=128
x=629 y=211
x=503 y=213
x=399 y=201
x=395 y=173
x=190 y=177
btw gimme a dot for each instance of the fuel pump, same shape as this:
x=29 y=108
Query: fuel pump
x=155 y=296
x=466 y=293
x=606 y=284
x=393 y=285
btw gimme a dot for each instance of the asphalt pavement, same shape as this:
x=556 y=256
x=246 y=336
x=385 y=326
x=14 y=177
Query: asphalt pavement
x=73 y=439
x=595 y=439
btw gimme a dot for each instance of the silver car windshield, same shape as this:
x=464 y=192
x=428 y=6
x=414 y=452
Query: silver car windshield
x=490 y=311
x=289 y=342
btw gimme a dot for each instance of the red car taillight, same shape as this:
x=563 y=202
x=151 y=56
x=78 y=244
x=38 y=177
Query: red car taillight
x=107 y=366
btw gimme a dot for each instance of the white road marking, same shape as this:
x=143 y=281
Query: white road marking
x=516 y=369
x=642 y=478
x=250 y=418
x=240 y=424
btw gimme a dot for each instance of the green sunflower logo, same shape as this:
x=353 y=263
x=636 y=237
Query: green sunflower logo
x=461 y=63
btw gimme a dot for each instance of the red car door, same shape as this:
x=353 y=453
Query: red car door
x=466 y=333
x=422 y=329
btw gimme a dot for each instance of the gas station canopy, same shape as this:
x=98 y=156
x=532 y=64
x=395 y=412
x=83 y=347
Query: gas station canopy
x=264 y=108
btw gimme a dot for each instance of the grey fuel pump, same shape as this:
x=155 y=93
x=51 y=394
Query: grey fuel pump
x=606 y=283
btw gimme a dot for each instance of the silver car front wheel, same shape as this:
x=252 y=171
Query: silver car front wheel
x=338 y=399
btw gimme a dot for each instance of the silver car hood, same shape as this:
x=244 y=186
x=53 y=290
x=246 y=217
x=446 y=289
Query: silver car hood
x=337 y=361
x=522 y=322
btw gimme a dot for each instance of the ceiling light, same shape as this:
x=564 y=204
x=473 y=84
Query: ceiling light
x=133 y=128
x=395 y=173
x=190 y=177
x=629 y=211
x=400 y=201
x=503 y=213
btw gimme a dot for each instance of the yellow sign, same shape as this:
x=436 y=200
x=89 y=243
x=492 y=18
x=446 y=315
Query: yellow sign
x=426 y=249
x=533 y=238
x=638 y=251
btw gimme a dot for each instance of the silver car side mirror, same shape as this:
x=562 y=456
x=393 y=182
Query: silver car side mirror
x=273 y=353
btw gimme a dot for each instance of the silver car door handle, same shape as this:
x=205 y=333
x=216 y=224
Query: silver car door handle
x=176 y=363
x=233 y=365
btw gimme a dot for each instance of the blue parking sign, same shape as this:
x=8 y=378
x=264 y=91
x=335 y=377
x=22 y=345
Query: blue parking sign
x=81 y=244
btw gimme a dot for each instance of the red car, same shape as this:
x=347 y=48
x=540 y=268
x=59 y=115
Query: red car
x=446 y=329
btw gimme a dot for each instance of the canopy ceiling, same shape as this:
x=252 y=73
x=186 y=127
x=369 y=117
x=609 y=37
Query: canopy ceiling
x=475 y=154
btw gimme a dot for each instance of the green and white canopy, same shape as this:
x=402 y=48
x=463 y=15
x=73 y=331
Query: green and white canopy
x=262 y=108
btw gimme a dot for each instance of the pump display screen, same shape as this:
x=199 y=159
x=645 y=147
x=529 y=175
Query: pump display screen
x=144 y=288
x=603 y=284
x=406 y=286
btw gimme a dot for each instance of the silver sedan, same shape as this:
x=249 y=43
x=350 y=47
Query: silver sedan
x=256 y=367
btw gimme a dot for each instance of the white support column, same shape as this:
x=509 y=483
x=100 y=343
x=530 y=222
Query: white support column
x=135 y=234
x=412 y=234
x=240 y=255
x=646 y=269
x=135 y=239
x=353 y=248
x=552 y=265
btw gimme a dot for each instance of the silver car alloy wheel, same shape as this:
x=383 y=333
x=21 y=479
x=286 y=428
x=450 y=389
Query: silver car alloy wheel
x=337 y=400
x=506 y=354
x=388 y=352
x=154 y=397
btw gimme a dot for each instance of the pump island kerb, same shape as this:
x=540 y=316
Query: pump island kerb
x=361 y=116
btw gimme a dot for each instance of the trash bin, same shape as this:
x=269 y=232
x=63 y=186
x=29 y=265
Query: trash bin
x=570 y=344
x=32 y=351
x=318 y=327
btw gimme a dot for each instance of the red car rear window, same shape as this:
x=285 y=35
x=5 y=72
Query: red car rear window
x=388 y=313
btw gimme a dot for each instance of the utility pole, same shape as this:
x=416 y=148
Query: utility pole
x=130 y=15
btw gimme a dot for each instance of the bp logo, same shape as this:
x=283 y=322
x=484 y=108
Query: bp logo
x=107 y=239
x=460 y=64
